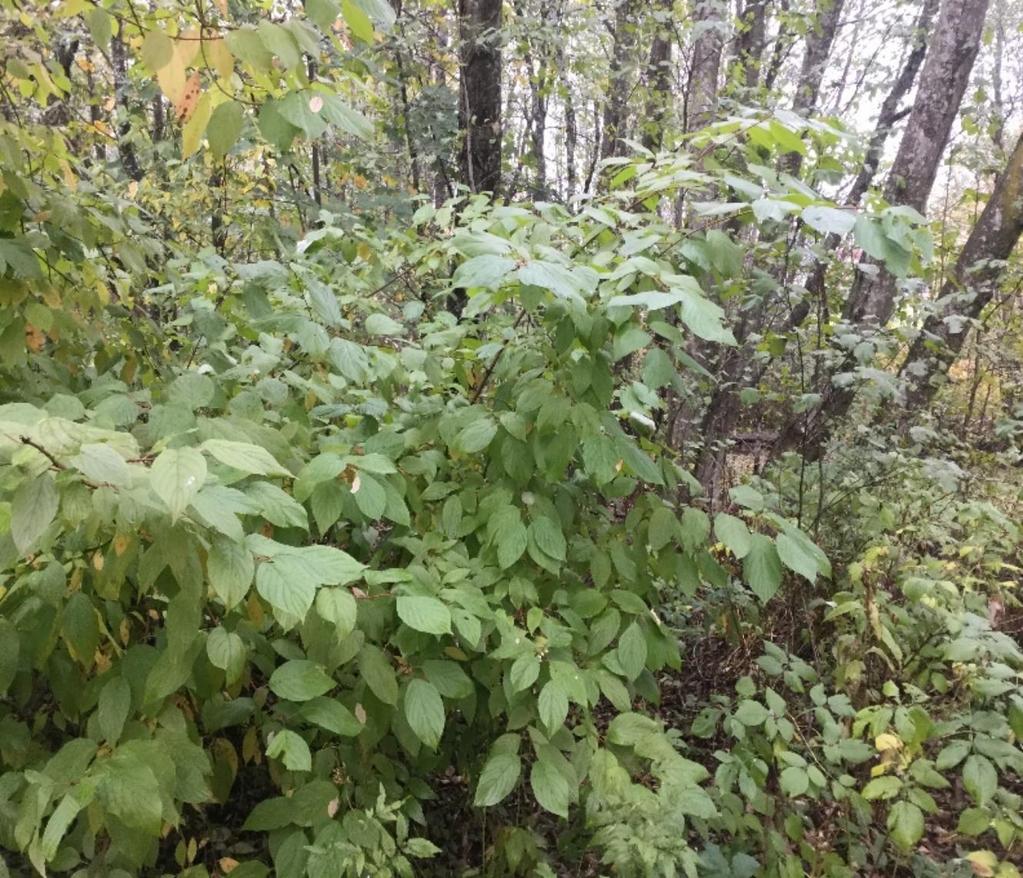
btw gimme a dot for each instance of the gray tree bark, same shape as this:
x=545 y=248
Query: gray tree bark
x=971 y=286
x=479 y=104
x=750 y=41
x=943 y=80
x=702 y=93
x=658 y=77
x=950 y=56
x=616 y=105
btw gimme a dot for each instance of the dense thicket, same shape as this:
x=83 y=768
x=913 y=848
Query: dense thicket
x=510 y=438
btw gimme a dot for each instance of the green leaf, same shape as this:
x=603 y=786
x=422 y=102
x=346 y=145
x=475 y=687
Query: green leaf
x=424 y=710
x=224 y=128
x=226 y=650
x=794 y=781
x=524 y=671
x=547 y=535
x=377 y=672
x=870 y=237
x=884 y=787
x=651 y=300
x=733 y=533
x=157 y=50
x=33 y=509
x=511 y=544
x=230 y=567
x=952 y=754
x=176 y=477
x=370 y=497
x=380 y=11
x=498 y=779
x=129 y=790
x=272 y=125
x=906 y=824
x=705 y=319
x=632 y=651
x=60 y=822
x=323 y=13
x=291 y=748
x=292 y=595
x=565 y=283
x=101 y=26
x=245 y=457
x=829 y=220
x=451 y=681
x=281 y=43
x=80 y=628
x=761 y=568
x=113 y=709
x=662 y=528
x=102 y=464
x=486 y=270
x=357 y=20
x=380 y=324
x=980 y=778
x=332 y=715
x=338 y=113
x=552 y=706
x=476 y=436
x=973 y=822
x=751 y=713
x=796 y=557
x=550 y=787
x=424 y=614
x=694 y=528
x=337 y=606
x=300 y=680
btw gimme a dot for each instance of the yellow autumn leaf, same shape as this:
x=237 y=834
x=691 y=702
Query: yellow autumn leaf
x=187 y=46
x=887 y=742
x=171 y=78
x=218 y=57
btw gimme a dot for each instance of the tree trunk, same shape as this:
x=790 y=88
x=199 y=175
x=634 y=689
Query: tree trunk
x=889 y=115
x=702 y=92
x=815 y=60
x=944 y=78
x=970 y=288
x=782 y=45
x=571 y=139
x=406 y=110
x=749 y=44
x=616 y=105
x=658 y=77
x=125 y=149
x=479 y=105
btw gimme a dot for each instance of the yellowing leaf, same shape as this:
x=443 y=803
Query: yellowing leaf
x=218 y=57
x=187 y=46
x=157 y=50
x=189 y=100
x=191 y=134
x=983 y=863
x=887 y=742
x=171 y=78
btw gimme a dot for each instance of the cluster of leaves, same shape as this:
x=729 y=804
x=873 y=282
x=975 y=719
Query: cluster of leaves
x=912 y=722
x=318 y=540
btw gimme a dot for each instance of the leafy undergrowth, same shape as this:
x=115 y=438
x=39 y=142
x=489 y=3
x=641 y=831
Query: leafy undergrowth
x=332 y=582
